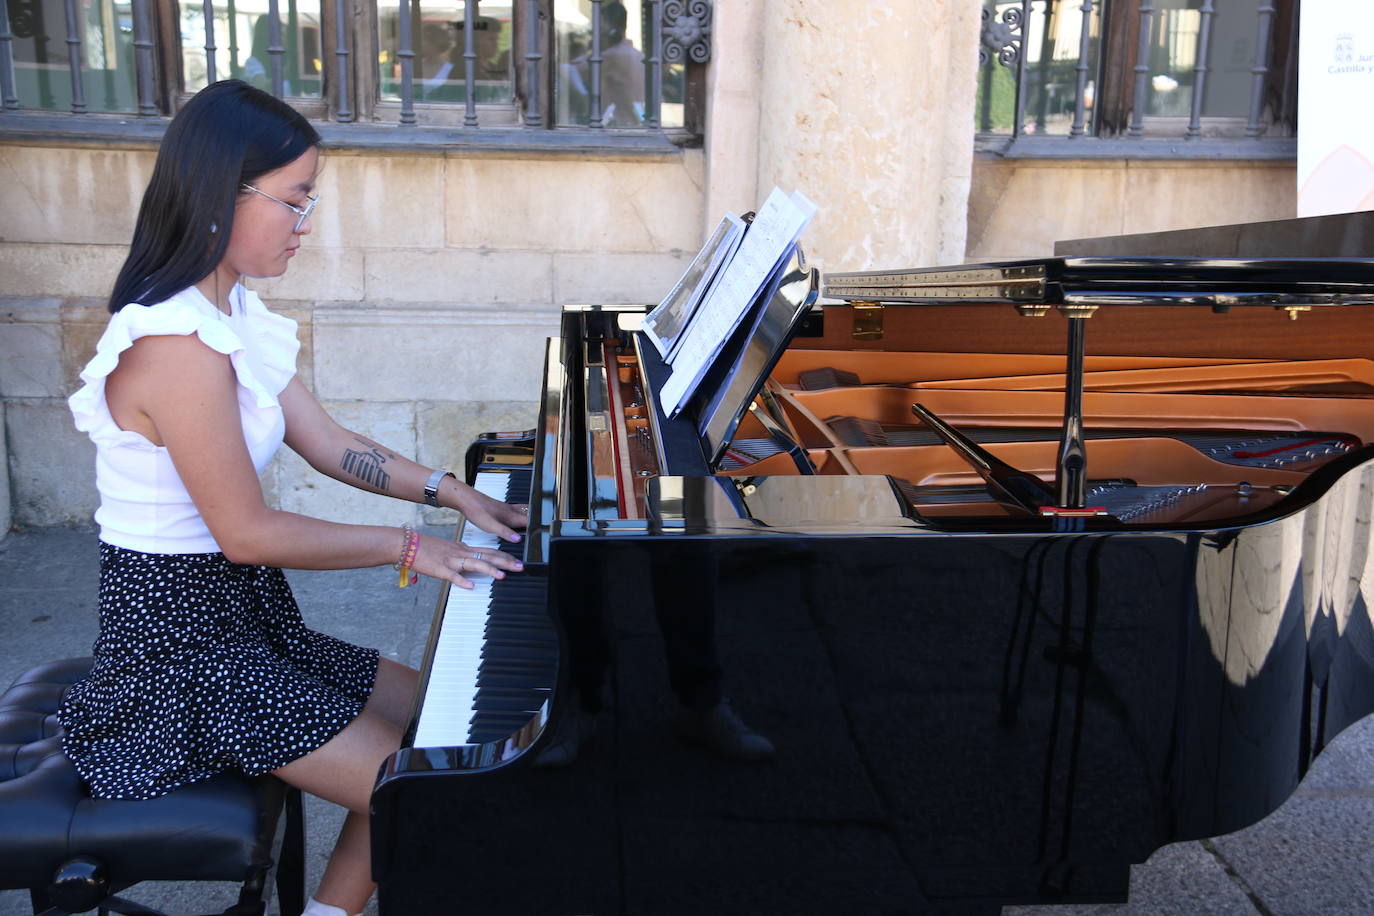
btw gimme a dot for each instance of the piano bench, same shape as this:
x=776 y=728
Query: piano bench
x=74 y=853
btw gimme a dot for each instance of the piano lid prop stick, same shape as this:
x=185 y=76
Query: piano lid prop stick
x=1072 y=471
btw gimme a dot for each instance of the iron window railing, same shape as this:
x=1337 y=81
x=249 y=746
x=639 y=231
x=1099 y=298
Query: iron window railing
x=600 y=65
x=1073 y=77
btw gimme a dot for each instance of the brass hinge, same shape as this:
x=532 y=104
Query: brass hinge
x=868 y=320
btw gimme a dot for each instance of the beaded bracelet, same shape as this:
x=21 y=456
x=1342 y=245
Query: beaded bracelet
x=407 y=561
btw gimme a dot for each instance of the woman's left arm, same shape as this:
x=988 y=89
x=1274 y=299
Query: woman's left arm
x=355 y=459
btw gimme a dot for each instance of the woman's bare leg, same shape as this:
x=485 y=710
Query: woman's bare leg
x=343 y=771
x=393 y=692
x=347 y=882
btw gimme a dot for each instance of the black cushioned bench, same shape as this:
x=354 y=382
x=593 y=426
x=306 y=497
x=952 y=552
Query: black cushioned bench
x=74 y=853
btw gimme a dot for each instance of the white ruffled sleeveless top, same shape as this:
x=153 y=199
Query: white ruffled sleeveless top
x=143 y=504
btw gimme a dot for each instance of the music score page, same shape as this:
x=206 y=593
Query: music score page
x=769 y=238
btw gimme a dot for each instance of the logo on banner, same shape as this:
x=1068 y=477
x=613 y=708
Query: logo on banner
x=1345 y=59
x=1335 y=81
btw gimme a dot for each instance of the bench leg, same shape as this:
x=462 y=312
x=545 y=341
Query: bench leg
x=291 y=858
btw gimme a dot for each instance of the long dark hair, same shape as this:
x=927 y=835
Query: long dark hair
x=227 y=135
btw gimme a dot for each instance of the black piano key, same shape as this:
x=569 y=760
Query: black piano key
x=487 y=681
x=520 y=636
x=536 y=648
x=508 y=692
x=530 y=631
x=503 y=652
x=505 y=723
x=525 y=593
x=533 y=649
x=498 y=676
x=505 y=707
x=522 y=680
x=519 y=657
x=510 y=720
x=513 y=665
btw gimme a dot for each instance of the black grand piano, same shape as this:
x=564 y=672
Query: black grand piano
x=1024 y=569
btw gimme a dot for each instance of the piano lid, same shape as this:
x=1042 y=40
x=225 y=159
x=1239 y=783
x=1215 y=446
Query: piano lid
x=1071 y=283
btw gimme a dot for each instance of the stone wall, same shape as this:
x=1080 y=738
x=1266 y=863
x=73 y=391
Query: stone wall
x=1019 y=208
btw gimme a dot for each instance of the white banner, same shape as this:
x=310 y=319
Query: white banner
x=1335 y=93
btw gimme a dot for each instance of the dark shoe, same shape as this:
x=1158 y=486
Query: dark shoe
x=721 y=731
x=575 y=730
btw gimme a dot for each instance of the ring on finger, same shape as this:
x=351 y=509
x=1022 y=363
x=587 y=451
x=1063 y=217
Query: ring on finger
x=477 y=555
x=462 y=564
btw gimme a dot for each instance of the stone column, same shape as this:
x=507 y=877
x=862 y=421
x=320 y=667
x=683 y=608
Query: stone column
x=733 y=82
x=867 y=109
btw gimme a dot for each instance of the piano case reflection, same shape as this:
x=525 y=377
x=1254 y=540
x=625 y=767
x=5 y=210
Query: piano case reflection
x=1026 y=570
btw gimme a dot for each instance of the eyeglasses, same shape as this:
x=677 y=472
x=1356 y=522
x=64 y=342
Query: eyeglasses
x=302 y=212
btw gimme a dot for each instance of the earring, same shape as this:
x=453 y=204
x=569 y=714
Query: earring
x=214 y=227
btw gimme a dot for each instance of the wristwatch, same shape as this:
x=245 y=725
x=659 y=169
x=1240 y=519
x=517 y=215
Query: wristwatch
x=432 y=485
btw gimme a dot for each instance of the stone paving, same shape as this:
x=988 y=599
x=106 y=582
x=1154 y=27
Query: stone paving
x=1312 y=856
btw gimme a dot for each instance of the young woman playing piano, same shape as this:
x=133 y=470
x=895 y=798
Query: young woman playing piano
x=203 y=663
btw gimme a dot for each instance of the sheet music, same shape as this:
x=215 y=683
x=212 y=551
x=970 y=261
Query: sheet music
x=777 y=225
x=666 y=322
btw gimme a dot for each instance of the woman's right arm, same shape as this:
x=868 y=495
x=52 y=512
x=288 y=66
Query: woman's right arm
x=187 y=391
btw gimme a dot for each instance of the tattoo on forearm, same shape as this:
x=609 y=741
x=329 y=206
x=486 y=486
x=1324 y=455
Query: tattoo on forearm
x=367 y=465
x=383 y=454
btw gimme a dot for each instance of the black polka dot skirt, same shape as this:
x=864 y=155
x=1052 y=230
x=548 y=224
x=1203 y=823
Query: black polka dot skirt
x=202 y=666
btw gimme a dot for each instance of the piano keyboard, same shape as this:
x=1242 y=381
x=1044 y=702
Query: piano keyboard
x=495 y=658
